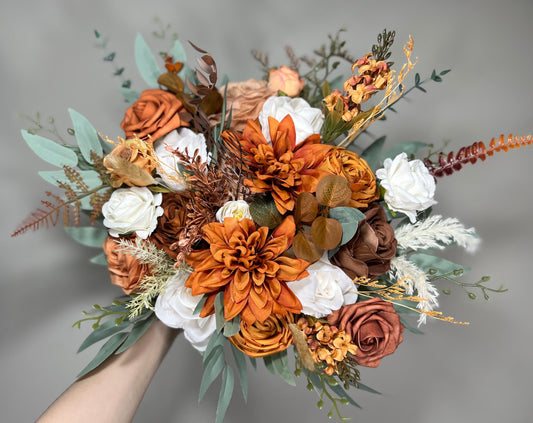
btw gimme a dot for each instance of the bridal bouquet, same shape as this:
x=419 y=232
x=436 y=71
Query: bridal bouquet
x=253 y=216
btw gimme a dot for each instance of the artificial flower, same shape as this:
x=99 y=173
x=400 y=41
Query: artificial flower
x=325 y=289
x=409 y=187
x=307 y=120
x=281 y=167
x=125 y=270
x=132 y=210
x=356 y=171
x=286 y=80
x=374 y=327
x=175 y=308
x=185 y=141
x=238 y=209
x=369 y=252
x=153 y=115
x=249 y=267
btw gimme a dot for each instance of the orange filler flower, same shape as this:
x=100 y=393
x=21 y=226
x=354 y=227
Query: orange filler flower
x=247 y=265
x=282 y=168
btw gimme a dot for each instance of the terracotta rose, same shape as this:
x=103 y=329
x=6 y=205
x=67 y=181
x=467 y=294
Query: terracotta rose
x=374 y=326
x=172 y=223
x=370 y=251
x=154 y=114
x=125 y=270
x=262 y=339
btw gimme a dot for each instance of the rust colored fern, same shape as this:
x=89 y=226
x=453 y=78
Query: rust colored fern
x=48 y=215
x=447 y=164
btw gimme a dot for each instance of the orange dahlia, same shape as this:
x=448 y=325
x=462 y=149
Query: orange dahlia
x=281 y=168
x=247 y=265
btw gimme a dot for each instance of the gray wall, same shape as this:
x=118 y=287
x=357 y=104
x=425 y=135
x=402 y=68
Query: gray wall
x=477 y=373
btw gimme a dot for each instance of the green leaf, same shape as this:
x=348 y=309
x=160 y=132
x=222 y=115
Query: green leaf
x=212 y=368
x=408 y=147
x=216 y=340
x=226 y=392
x=410 y=328
x=232 y=327
x=100 y=259
x=200 y=305
x=146 y=62
x=341 y=392
x=50 y=151
x=430 y=264
x=107 y=350
x=282 y=366
x=139 y=328
x=349 y=219
x=372 y=152
x=417 y=78
x=240 y=361
x=54 y=177
x=363 y=387
x=269 y=364
x=219 y=311
x=179 y=55
x=106 y=329
x=87 y=235
x=131 y=96
x=86 y=135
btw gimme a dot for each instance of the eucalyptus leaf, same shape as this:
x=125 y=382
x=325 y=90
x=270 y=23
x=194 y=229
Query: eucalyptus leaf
x=341 y=392
x=240 y=362
x=232 y=327
x=146 y=62
x=219 y=311
x=139 y=328
x=86 y=136
x=430 y=264
x=100 y=259
x=349 y=219
x=372 y=153
x=216 y=340
x=200 y=305
x=212 y=368
x=408 y=147
x=410 y=328
x=281 y=363
x=269 y=364
x=105 y=330
x=131 y=96
x=226 y=392
x=106 y=351
x=50 y=151
x=87 y=235
x=55 y=177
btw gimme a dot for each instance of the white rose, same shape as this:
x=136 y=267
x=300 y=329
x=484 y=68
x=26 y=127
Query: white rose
x=327 y=288
x=238 y=209
x=168 y=162
x=409 y=187
x=132 y=209
x=175 y=307
x=307 y=120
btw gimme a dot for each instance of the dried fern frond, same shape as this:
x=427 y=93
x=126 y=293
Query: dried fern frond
x=48 y=215
x=451 y=162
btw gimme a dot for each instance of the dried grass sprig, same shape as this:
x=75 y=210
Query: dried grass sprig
x=451 y=162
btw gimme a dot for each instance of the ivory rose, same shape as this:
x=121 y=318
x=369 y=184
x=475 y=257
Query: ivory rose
x=307 y=120
x=153 y=115
x=409 y=187
x=134 y=209
x=238 y=209
x=286 y=80
x=327 y=288
x=175 y=308
x=183 y=140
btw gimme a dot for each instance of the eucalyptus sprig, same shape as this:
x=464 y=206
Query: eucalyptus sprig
x=480 y=284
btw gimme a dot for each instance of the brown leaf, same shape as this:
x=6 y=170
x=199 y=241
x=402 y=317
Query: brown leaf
x=306 y=208
x=265 y=213
x=300 y=342
x=326 y=232
x=171 y=81
x=212 y=103
x=134 y=173
x=304 y=247
x=333 y=191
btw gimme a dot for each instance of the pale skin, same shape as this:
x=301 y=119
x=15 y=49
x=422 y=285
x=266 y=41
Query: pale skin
x=112 y=392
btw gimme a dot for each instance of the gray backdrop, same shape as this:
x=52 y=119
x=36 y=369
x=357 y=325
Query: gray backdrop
x=477 y=373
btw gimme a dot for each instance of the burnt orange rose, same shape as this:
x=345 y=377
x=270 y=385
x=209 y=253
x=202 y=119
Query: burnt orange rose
x=356 y=171
x=264 y=338
x=374 y=326
x=172 y=223
x=154 y=114
x=125 y=270
x=245 y=99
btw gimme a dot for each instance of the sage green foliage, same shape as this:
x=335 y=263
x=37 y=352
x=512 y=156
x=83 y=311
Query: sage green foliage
x=349 y=219
x=89 y=236
x=50 y=151
x=146 y=62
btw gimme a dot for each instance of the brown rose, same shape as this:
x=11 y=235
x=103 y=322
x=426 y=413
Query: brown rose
x=172 y=222
x=370 y=251
x=374 y=327
x=262 y=339
x=245 y=100
x=125 y=270
x=356 y=171
x=154 y=114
